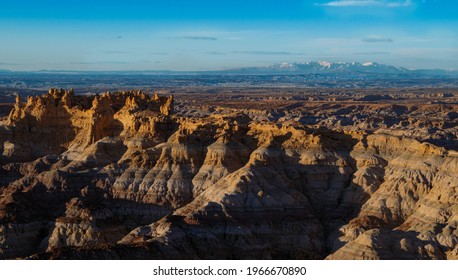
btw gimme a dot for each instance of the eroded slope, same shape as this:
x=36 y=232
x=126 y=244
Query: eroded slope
x=119 y=176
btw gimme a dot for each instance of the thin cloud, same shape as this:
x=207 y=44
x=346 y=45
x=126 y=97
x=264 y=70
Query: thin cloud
x=367 y=3
x=116 y=52
x=99 y=62
x=371 y=53
x=266 y=53
x=82 y=63
x=216 y=53
x=205 y=38
x=159 y=53
x=237 y=38
x=377 y=39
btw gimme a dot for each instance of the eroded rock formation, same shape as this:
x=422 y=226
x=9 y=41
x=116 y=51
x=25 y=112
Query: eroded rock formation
x=117 y=175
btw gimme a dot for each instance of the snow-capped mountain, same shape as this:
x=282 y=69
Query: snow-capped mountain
x=317 y=67
x=342 y=69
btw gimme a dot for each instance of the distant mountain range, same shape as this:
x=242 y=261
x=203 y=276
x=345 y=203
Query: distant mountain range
x=341 y=69
x=317 y=74
x=345 y=70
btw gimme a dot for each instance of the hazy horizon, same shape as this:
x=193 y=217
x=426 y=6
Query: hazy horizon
x=206 y=35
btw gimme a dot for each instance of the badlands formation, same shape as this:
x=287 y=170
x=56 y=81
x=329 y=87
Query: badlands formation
x=130 y=175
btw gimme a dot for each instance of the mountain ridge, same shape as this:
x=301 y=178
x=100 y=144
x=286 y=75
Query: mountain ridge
x=284 y=68
x=325 y=67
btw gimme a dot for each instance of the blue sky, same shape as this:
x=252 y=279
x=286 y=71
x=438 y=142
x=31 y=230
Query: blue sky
x=204 y=35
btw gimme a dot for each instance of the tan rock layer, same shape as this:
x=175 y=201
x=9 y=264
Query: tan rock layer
x=116 y=175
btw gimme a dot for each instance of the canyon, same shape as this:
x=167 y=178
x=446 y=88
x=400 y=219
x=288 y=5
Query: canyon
x=220 y=173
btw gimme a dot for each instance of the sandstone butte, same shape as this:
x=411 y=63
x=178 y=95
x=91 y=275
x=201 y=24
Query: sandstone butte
x=118 y=176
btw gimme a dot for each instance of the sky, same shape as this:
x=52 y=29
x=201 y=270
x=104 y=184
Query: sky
x=212 y=35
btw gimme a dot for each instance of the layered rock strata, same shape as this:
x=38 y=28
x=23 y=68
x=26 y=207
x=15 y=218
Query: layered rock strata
x=117 y=175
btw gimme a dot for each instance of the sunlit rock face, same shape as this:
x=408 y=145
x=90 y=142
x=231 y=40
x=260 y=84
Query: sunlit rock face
x=118 y=175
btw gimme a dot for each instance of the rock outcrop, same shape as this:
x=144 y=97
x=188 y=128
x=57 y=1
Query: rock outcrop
x=70 y=123
x=117 y=175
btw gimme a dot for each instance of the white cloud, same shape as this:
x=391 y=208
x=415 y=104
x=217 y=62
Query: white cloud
x=367 y=3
